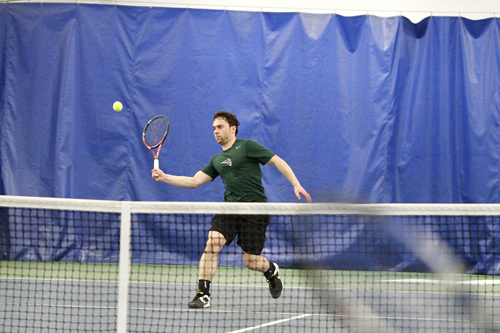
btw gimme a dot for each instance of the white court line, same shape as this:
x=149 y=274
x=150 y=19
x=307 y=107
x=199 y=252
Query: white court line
x=471 y=282
x=57 y=280
x=155 y=309
x=270 y=324
x=248 y=328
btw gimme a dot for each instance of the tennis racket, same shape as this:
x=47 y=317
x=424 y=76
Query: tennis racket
x=154 y=135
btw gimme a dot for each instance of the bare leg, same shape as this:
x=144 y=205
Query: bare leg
x=208 y=262
x=255 y=262
x=261 y=264
x=208 y=266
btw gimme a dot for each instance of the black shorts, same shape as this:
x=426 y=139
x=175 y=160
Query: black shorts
x=251 y=230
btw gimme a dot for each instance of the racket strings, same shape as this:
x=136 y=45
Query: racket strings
x=156 y=131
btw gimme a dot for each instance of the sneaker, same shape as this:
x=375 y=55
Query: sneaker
x=275 y=284
x=200 y=301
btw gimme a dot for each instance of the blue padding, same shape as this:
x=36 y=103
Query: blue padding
x=332 y=242
x=362 y=108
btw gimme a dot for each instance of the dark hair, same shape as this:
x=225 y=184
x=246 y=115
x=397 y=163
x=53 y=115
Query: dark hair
x=229 y=117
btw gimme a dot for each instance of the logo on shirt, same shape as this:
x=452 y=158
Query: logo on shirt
x=238 y=147
x=228 y=162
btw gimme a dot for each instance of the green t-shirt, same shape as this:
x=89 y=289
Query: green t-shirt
x=240 y=171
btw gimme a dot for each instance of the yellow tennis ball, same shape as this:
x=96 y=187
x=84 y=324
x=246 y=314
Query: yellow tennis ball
x=117 y=106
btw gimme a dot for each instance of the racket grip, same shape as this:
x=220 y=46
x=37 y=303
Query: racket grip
x=157 y=164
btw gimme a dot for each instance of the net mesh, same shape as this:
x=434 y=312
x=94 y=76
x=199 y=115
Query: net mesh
x=55 y=283
x=346 y=268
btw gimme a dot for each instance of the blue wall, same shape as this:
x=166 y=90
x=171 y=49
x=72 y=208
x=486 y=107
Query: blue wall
x=363 y=108
x=377 y=109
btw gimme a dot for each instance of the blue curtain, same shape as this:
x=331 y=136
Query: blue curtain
x=362 y=108
x=377 y=109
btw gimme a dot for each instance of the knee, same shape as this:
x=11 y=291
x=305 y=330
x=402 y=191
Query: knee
x=249 y=263
x=252 y=262
x=214 y=245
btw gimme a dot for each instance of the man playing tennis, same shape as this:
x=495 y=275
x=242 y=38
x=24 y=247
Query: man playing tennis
x=238 y=166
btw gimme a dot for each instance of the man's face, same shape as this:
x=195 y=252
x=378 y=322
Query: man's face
x=222 y=131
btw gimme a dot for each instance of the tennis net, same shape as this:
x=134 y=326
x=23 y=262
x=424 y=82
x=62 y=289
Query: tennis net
x=110 y=266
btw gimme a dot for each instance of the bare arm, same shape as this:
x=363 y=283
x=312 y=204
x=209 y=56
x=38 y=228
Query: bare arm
x=198 y=179
x=285 y=169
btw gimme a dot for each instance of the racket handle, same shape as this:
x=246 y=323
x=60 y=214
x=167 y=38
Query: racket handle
x=157 y=164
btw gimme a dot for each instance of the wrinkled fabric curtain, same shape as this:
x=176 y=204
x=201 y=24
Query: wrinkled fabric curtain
x=363 y=108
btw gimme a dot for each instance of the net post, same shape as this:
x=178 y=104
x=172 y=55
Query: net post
x=124 y=268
